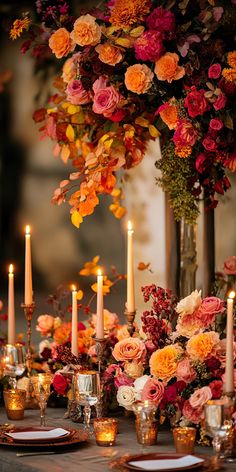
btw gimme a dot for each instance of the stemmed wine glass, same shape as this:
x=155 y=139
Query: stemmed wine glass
x=13 y=362
x=88 y=388
x=218 y=423
x=41 y=385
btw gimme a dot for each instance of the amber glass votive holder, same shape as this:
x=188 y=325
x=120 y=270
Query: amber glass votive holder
x=146 y=432
x=184 y=439
x=105 y=430
x=15 y=403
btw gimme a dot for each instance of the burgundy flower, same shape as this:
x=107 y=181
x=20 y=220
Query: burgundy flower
x=216 y=387
x=180 y=385
x=201 y=163
x=60 y=384
x=149 y=46
x=212 y=363
x=220 y=102
x=209 y=144
x=171 y=393
x=161 y=20
x=196 y=102
x=216 y=124
x=214 y=71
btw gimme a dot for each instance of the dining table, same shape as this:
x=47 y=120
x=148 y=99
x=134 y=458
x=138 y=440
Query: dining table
x=87 y=456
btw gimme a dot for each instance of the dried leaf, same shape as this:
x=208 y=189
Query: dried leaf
x=143 y=266
x=154 y=131
x=142 y=122
x=228 y=121
x=76 y=219
x=136 y=32
x=80 y=294
x=125 y=42
x=70 y=134
x=65 y=153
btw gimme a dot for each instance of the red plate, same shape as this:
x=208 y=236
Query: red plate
x=75 y=437
x=158 y=456
x=39 y=440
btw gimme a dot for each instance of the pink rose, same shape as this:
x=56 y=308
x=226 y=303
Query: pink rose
x=195 y=415
x=105 y=99
x=220 y=102
x=122 y=379
x=216 y=124
x=60 y=384
x=196 y=102
x=209 y=143
x=149 y=46
x=208 y=309
x=200 y=397
x=153 y=390
x=201 y=163
x=185 y=134
x=76 y=93
x=216 y=387
x=45 y=325
x=129 y=349
x=185 y=371
x=214 y=71
x=230 y=266
x=161 y=20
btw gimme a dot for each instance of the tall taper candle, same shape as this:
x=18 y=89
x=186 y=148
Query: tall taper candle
x=100 y=314
x=74 y=324
x=28 y=268
x=229 y=367
x=11 y=306
x=130 y=270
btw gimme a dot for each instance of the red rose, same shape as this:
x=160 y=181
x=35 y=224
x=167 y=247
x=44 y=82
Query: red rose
x=219 y=187
x=209 y=144
x=171 y=393
x=201 y=163
x=220 y=102
x=161 y=20
x=195 y=102
x=230 y=266
x=216 y=124
x=216 y=387
x=214 y=71
x=60 y=384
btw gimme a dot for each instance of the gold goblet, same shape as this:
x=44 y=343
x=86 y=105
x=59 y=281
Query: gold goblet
x=41 y=385
x=88 y=388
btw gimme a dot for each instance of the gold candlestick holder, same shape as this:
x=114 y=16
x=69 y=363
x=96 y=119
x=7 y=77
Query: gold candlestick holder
x=29 y=310
x=130 y=316
x=100 y=348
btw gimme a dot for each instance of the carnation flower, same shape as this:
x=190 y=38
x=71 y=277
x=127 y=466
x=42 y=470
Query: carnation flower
x=163 y=362
x=190 y=303
x=126 y=396
x=167 y=67
x=149 y=46
x=86 y=31
x=188 y=325
x=61 y=43
x=231 y=59
x=162 y=20
x=138 y=78
x=203 y=345
x=196 y=102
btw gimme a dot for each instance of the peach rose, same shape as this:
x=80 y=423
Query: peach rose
x=185 y=371
x=191 y=414
x=45 y=325
x=126 y=396
x=153 y=390
x=203 y=345
x=230 y=266
x=163 y=362
x=63 y=333
x=168 y=113
x=167 y=68
x=200 y=397
x=190 y=303
x=60 y=43
x=134 y=369
x=138 y=78
x=109 y=54
x=122 y=332
x=129 y=349
x=86 y=31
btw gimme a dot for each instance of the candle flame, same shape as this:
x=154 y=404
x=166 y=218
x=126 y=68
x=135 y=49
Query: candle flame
x=99 y=272
x=231 y=294
x=11 y=269
x=73 y=288
x=130 y=227
x=27 y=229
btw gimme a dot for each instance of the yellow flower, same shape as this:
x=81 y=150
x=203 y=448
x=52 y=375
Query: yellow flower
x=18 y=27
x=231 y=59
x=203 y=345
x=163 y=362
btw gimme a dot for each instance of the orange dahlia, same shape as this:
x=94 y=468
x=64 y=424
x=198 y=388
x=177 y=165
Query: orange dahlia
x=231 y=59
x=184 y=151
x=229 y=74
x=128 y=12
x=18 y=27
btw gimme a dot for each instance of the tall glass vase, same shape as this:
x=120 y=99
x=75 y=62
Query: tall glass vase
x=188 y=258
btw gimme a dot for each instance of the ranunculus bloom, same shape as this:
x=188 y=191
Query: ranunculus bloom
x=86 y=31
x=45 y=324
x=201 y=163
x=129 y=349
x=161 y=20
x=196 y=102
x=126 y=396
x=109 y=54
x=214 y=71
x=60 y=43
x=194 y=415
x=106 y=98
x=230 y=266
x=138 y=78
x=190 y=303
x=203 y=345
x=168 y=113
x=163 y=362
x=153 y=390
x=185 y=371
x=216 y=387
x=209 y=144
x=60 y=384
x=200 y=397
x=139 y=384
x=134 y=369
x=188 y=325
x=76 y=93
x=149 y=46
x=208 y=309
x=122 y=379
x=185 y=134
x=216 y=124
x=167 y=67
x=220 y=102
x=70 y=66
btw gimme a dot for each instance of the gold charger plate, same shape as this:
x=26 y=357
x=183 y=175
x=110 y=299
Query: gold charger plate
x=74 y=438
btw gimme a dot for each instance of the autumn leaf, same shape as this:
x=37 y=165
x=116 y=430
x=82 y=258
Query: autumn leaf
x=76 y=219
x=136 y=32
x=153 y=131
x=80 y=294
x=142 y=122
x=65 y=153
x=125 y=42
x=143 y=266
x=90 y=267
x=107 y=284
x=70 y=134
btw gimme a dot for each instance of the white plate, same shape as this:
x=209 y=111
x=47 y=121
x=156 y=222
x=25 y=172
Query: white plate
x=40 y=435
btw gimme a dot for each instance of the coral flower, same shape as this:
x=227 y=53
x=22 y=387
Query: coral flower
x=129 y=349
x=109 y=54
x=18 y=27
x=203 y=345
x=168 y=113
x=60 y=43
x=138 y=78
x=128 y=12
x=229 y=74
x=86 y=31
x=167 y=68
x=62 y=334
x=163 y=362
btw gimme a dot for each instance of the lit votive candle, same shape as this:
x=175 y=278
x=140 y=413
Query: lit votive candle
x=184 y=439
x=105 y=430
x=146 y=432
x=15 y=403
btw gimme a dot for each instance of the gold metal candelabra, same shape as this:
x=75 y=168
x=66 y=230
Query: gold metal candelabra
x=29 y=310
x=130 y=316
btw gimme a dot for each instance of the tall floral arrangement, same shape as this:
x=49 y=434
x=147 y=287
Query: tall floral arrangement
x=130 y=72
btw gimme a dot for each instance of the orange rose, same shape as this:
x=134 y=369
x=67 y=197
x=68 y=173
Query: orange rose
x=163 y=362
x=129 y=349
x=203 y=345
x=138 y=78
x=63 y=333
x=109 y=54
x=61 y=43
x=168 y=114
x=167 y=68
x=86 y=31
